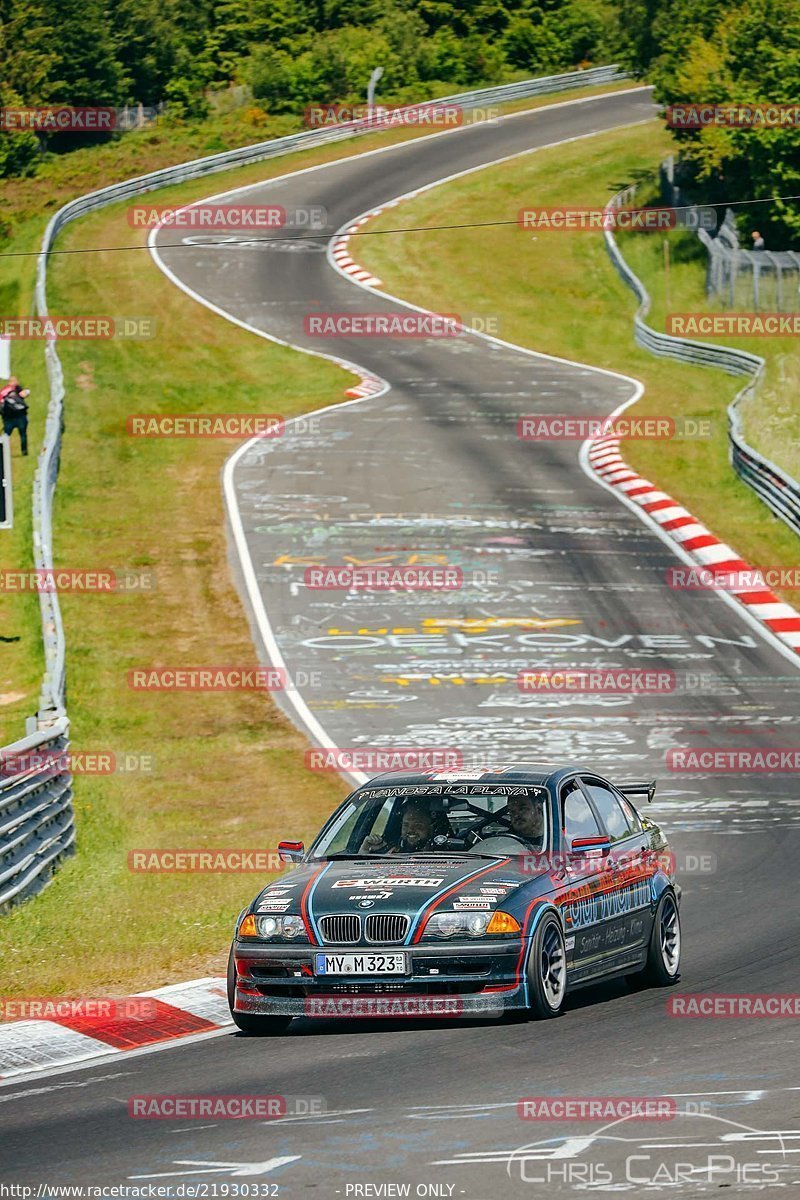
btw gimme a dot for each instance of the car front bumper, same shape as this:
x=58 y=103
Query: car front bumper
x=462 y=979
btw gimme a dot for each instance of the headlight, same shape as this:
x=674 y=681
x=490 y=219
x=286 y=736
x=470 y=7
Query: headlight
x=283 y=928
x=457 y=924
x=470 y=924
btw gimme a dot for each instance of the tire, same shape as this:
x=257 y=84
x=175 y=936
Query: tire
x=252 y=1023
x=663 y=964
x=547 y=970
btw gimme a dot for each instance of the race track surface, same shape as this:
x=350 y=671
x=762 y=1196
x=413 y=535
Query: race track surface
x=557 y=574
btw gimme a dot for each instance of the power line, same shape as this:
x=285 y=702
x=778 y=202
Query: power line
x=326 y=237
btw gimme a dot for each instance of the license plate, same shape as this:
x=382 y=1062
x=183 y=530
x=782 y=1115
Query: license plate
x=360 y=964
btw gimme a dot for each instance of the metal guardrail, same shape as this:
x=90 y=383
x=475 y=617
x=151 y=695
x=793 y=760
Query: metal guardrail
x=36 y=819
x=766 y=280
x=777 y=489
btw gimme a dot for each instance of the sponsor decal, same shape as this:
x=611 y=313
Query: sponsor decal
x=472 y=902
x=274 y=906
x=388 y=881
x=591 y=909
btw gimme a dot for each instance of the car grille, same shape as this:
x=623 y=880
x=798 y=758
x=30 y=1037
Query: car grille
x=386 y=927
x=342 y=930
x=379 y=929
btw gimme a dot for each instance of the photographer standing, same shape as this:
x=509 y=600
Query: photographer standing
x=14 y=410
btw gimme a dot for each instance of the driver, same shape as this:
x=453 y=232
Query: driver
x=526 y=816
x=416 y=832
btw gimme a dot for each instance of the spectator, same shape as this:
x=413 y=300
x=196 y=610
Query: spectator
x=14 y=410
x=758 y=241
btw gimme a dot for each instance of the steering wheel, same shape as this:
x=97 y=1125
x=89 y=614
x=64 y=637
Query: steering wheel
x=470 y=837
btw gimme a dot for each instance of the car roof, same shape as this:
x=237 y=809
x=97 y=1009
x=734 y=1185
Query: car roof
x=537 y=774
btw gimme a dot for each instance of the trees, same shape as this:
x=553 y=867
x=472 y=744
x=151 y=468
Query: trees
x=117 y=52
x=742 y=52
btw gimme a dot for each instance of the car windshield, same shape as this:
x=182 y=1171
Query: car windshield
x=424 y=818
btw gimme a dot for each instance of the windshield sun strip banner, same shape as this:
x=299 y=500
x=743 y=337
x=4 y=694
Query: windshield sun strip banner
x=457 y=790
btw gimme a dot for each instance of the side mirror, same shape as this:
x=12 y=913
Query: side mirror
x=291 y=852
x=589 y=847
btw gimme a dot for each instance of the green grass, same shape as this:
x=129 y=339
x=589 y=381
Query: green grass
x=229 y=768
x=559 y=293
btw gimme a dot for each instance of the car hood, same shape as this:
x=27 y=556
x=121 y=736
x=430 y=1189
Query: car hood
x=394 y=884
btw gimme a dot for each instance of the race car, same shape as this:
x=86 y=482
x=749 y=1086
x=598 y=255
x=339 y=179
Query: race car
x=473 y=894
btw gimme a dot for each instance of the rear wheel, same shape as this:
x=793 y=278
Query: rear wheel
x=252 y=1023
x=547 y=970
x=664 y=952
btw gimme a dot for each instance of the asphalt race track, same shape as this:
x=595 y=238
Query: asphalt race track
x=557 y=573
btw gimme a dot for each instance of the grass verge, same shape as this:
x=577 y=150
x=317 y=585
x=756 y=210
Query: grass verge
x=559 y=293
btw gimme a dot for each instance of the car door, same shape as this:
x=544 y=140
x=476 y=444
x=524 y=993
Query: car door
x=625 y=917
x=580 y=873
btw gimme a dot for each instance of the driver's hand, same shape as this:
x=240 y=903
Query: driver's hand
x=373 y=843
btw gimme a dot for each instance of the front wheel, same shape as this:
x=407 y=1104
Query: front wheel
x=253 y=1023
x=664 y=952
x=547 y=970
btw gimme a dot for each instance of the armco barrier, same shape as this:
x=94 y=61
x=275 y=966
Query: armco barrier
x=36 y=818
x=36 y=827
x=777 y=489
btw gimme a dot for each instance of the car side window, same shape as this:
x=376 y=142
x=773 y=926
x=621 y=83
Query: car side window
x=610 y=810
x=634 y=820
x=579 y=820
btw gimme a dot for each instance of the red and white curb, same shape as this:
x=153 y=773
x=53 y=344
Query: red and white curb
x=341 y=254
x=178 y=1011
x=694 y=539
x=369 y=386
